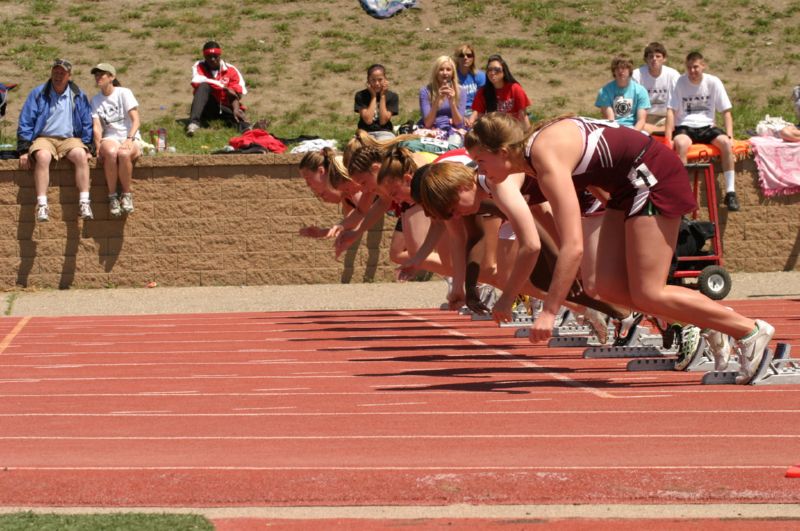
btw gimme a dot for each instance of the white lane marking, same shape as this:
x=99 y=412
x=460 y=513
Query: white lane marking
x=520 y=400
x=760 y=412
x=262 y=408
x=389 y=437
x=392 y=404
x=529 y=364
x=725 y=466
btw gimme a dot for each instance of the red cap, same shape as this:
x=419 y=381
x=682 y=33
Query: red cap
x=212 y=51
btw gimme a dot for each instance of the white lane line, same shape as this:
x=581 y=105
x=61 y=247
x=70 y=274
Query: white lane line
x=275 y=389
x=529 y=364
x=759 y=412
x=138 y=413
x=725 y=466
x=392 y=404
x=262 y=408
x=389 y=437
x=520 y=400
x=150 y=378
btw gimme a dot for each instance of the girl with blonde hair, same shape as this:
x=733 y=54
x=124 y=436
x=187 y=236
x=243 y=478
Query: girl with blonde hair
x=442 y=103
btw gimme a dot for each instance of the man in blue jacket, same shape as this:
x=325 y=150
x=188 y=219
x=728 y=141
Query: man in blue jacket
x=56 y=123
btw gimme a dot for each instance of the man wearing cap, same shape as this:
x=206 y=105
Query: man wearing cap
x=218 y=88
x=55 y=123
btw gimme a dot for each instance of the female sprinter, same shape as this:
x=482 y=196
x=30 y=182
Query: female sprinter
x=648 y=191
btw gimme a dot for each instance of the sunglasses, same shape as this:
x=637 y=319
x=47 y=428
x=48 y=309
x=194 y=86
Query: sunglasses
x=494 y=70
x=63 y=63
x=464 y=55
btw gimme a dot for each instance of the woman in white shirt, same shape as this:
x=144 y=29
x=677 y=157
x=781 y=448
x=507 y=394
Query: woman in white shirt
x=115 y=117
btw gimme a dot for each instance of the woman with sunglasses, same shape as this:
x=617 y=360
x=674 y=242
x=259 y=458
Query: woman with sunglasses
x=502 y=93
x=470 y=78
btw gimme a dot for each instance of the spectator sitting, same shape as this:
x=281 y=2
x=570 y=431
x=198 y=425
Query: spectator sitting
x=218 y=89
x=691 y=119
x=623 y=100
x=469 y=77
x=376 y=104
x=56 y=122
x=502 y=94
x=442 y=102
x=659 y=81
x=115 y=117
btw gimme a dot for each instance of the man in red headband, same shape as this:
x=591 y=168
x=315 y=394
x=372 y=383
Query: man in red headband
x=218 y=88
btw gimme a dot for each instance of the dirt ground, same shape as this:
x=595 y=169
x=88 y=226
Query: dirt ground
x=304 y=60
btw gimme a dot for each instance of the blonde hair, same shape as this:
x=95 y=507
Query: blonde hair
x=326 y=157
x=464 y=48
x=434 y=85
x=440 y=185
x=363 y=150
x=496 y=130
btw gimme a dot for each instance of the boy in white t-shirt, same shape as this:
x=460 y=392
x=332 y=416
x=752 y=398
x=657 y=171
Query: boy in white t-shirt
x=115 y=118
x=691 y=119
x=659 y=81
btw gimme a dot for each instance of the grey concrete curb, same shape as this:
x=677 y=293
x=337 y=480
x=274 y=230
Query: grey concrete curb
x=408 y=295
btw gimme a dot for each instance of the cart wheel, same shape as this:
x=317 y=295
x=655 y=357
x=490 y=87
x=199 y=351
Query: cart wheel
x=714 y=282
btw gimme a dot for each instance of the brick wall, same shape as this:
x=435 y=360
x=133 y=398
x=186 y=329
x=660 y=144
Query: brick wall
x=203 y=220
x=233 y=220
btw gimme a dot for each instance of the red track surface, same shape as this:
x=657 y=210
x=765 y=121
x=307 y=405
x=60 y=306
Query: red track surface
x=371 y=408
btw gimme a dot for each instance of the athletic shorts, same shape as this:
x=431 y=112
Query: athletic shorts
x=57 y=147
x=699 y=135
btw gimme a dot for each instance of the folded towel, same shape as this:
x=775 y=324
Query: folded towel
x=778 y=164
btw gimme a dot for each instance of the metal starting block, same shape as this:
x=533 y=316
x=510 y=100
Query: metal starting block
x=518 y=321
x=571 y=330
x=642 y=344
x=703 y=361
x=776 y=368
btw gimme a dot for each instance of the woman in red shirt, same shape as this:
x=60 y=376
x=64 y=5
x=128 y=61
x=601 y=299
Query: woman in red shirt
x=502 y=93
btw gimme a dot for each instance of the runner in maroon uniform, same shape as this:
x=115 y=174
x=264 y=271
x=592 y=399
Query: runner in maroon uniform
x=648 y=191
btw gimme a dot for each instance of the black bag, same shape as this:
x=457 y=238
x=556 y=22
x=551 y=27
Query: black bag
x=693 y=236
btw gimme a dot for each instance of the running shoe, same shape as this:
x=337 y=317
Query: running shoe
x=720 y=346
x=623 y=332
x=86 y=210
x=599 y=323
x=42 y=213
x=689 y=346
x=126 y=203
x=114 y=207
x=751 y=350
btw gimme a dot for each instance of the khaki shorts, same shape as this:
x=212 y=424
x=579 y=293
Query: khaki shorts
x=58 y=147
x=655 y=119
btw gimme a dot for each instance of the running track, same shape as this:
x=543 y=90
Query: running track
x=371 y=408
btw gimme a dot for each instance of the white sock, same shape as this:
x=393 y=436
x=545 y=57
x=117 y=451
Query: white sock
x=41 y=200
x=112 y=196
x=730 y=176
x=83 y=197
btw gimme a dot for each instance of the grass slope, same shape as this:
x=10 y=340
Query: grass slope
x=303 y=60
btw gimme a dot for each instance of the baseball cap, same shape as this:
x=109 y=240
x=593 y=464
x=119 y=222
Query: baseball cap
x=105 y=67
x=63 y=63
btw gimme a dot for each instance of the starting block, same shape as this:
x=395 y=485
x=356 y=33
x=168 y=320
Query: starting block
x=570 y=330
x=776 y=368
x=703 y=361
x=642 y=344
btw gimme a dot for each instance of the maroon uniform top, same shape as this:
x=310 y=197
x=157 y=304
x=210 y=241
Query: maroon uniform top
x=628 y=165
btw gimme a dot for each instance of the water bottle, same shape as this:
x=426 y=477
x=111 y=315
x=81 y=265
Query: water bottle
x=162 y=140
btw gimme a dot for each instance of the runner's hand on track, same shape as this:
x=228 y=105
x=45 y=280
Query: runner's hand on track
x=502 y=309
x=542 y=328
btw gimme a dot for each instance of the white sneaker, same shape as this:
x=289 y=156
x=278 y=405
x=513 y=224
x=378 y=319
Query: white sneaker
x=720 y=346
x=86 y=210
x=625 y=327
x=599 y=322
x=751 y=350
x=690 y=342
x=126 y=202
x=42 y=213
x=191 y=129
x=114 y=207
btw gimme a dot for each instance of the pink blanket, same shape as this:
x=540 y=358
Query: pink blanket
x=778 y=165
